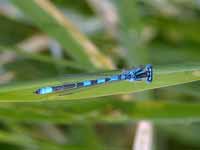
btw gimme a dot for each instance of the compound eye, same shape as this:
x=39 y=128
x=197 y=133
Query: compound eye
x=149 y=69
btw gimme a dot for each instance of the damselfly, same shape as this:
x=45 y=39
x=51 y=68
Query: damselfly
x=135 y=74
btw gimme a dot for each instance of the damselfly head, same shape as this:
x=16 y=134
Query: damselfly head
x=149 y=72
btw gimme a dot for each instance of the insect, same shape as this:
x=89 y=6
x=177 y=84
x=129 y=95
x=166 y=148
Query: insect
x=135 y=74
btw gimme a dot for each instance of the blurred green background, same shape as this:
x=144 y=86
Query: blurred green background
x=42 y=41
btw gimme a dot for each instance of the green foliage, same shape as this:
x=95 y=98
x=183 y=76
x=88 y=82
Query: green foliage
x=162 y=33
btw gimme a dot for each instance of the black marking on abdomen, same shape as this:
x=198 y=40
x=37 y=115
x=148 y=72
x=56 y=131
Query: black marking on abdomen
x=68 y=86
x=93 y=82
x=80 y=84
x=58 y=88
x=107 y=79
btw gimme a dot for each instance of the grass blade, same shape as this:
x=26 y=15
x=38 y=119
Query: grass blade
x=50 y=20
x=100 y=110
x=163 y=76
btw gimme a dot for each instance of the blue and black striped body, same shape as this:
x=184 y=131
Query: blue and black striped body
x=135 y=74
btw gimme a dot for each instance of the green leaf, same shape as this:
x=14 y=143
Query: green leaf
x=43 y=58
x=163 y=76
x=47 y=18
x=130 y=29
x=100 y=110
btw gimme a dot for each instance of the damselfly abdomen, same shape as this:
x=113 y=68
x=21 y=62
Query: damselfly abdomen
x=135 y=74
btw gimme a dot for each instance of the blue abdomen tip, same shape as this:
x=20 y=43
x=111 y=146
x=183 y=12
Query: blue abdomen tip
x=44 y=90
